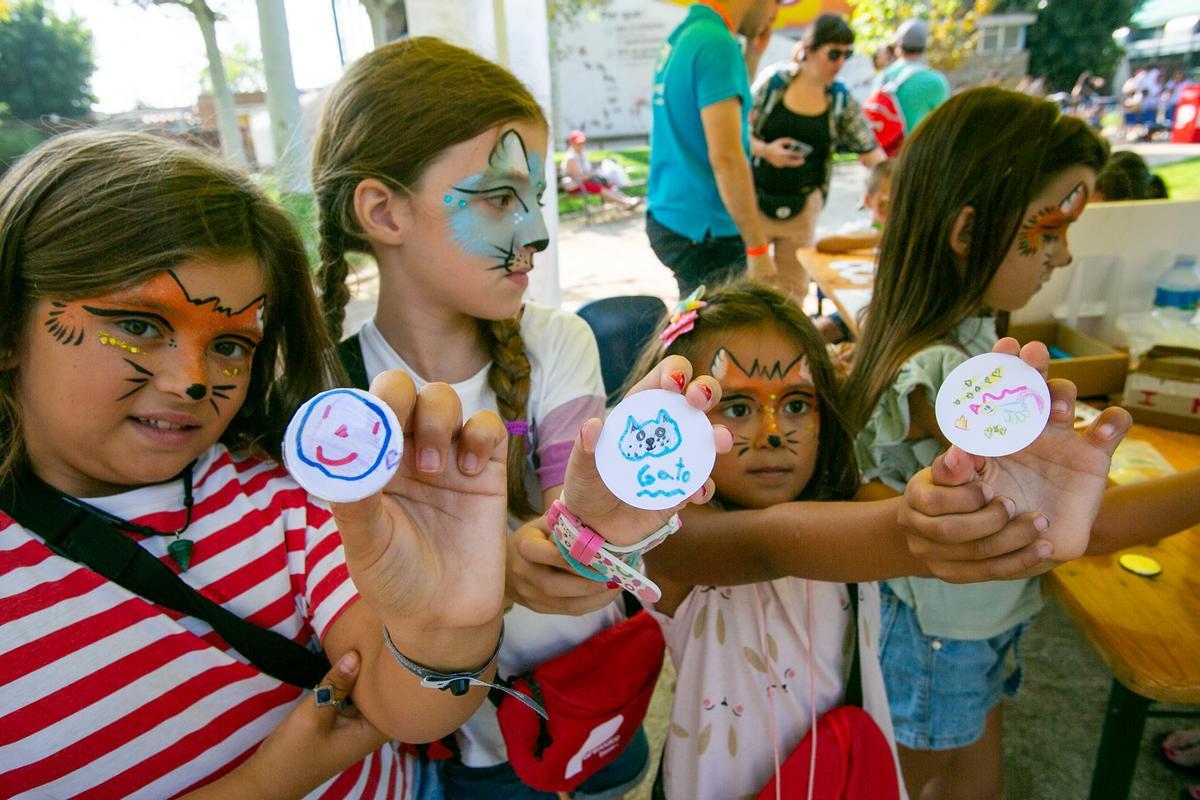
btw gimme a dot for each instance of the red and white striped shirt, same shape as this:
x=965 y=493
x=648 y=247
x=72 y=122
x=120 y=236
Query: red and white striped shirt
x=104 y=694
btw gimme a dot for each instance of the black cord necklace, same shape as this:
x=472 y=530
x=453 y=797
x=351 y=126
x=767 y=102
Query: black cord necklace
x=180 y=550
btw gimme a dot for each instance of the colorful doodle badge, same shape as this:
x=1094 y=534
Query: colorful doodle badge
x=993 y=405
x=343 y=445
x=655 y=450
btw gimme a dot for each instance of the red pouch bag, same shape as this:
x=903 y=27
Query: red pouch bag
x=596 y=696
x=854 y=761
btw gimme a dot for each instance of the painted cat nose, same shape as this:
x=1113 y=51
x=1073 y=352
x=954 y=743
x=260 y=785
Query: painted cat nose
x=775 y=441
x=342 y=432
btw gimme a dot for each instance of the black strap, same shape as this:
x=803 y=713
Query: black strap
x=854 y=683
x=76 y=534
x=350 y=352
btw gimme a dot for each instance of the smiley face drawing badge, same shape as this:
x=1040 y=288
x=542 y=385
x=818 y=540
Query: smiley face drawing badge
x=343 y=445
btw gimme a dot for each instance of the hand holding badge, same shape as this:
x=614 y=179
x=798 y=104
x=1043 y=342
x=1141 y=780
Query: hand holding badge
x=1017 y=433
x=626 y=481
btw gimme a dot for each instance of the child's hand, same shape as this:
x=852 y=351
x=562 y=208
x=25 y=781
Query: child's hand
x=428 y=552
x=1059 y=479
x=540 y=579
x=585 y=494
x=309 y=747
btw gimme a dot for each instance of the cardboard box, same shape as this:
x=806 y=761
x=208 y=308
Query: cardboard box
x=1164 y=390
x=1095 y=367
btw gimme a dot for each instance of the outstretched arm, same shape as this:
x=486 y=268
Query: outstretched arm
x=844 y=541
x=1143 y=513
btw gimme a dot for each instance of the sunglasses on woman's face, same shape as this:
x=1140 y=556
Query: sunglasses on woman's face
x=838 y=53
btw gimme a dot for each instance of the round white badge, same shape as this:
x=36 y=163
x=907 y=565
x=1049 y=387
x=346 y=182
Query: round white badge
x=655 y=450
x=993 y=405
x=343 y=445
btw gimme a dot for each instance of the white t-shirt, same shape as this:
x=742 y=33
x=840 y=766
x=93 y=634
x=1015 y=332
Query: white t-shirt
x=566 y=389
x=719 y=741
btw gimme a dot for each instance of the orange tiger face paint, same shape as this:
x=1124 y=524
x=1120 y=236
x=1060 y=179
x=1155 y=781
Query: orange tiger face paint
x=126 y=388
x=1052 y=221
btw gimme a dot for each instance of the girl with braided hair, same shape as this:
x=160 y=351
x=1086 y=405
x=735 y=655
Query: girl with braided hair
x=431 y=160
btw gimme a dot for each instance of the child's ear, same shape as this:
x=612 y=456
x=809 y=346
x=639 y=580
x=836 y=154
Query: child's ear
x=960 y=234
x=384 y=215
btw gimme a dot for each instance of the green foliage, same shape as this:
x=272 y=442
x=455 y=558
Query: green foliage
x=567 y=12
x=952 y=25
x=1071 y=36
x=45 y=63
x=244 y=71
x=16 y=139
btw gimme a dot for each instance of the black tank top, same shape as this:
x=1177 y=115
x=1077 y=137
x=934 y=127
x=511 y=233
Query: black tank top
x=813 y=131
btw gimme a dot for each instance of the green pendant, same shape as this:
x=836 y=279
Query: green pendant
x=181 y=551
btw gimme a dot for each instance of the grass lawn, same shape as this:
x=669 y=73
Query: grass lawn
x=635 y=160
x=1182 y=179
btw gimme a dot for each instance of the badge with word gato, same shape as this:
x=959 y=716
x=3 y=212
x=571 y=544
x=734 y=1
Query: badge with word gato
x=993 y=405
x=656 y=450
x=343 y=445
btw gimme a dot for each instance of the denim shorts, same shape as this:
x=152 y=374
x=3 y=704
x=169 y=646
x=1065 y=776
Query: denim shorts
x=941 y=690
x=622 y=775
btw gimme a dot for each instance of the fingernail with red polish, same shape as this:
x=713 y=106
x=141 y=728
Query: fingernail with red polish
x=614 y=585
x=707 y=392
x=680 y=379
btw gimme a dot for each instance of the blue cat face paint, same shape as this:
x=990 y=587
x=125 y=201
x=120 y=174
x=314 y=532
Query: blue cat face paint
x=497 y=213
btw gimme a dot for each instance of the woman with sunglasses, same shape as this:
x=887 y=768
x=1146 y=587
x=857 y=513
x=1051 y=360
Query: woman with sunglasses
x=799 y=117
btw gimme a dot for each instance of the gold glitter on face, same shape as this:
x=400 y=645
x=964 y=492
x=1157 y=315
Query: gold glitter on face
x=112 y=341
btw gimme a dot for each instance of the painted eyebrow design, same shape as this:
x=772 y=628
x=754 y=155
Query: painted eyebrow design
x=119 y=312
x=501 y=187
x=214 y=301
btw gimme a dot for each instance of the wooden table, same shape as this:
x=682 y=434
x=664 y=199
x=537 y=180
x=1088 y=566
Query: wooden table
x=833 y=283
x=1146 y=630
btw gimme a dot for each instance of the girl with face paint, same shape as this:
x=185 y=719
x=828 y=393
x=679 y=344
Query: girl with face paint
x=983 y=196
x=432 y=161
x=157 y=329
x=736 y=707
x=739 y=579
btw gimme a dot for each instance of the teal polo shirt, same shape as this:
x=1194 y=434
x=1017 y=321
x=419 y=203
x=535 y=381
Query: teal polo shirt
x=701 y=63
x=922 y=92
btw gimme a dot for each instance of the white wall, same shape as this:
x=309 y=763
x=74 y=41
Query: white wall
x=604 y=68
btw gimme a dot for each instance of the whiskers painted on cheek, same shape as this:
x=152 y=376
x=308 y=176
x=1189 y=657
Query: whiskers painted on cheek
x=742 y=443
x=140 y=379
x=220 y=391
x=510 y=255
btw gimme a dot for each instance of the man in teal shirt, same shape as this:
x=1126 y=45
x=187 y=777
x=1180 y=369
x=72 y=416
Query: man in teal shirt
x=702 y=216
x=922 y=88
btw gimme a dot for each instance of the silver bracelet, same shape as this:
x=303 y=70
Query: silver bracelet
x=459 y=683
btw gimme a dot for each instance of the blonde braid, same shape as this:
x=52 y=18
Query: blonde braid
x=509 y=379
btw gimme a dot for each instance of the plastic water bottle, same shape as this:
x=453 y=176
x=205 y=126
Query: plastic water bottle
x=1178 y=290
